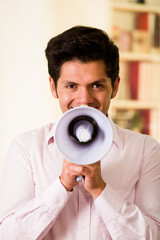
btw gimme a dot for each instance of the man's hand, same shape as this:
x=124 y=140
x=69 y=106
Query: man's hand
x=68 y=177
x=93 y=182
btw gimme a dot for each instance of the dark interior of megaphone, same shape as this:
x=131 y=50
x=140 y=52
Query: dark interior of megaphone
x=83 y=129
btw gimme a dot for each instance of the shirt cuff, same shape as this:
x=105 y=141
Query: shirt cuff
x=109 y=204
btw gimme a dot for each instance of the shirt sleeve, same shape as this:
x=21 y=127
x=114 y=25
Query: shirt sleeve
x=22 y=215
x=139 y=220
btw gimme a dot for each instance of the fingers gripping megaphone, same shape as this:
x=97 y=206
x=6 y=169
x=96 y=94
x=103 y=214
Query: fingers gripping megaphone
x=83 y=135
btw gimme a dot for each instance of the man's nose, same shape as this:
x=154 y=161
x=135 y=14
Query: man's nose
x=85 y=97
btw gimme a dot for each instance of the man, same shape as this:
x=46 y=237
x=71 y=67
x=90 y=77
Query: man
x=120 y=195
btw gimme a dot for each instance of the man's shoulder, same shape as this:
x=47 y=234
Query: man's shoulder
x=134 y=136
x=39 y=134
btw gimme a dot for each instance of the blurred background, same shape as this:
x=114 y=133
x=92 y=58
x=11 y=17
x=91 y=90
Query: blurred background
x=25 y=29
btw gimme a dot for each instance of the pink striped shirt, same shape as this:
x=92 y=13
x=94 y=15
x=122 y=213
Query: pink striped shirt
x=35 y=205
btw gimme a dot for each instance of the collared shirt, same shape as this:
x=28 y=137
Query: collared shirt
x=35 y=205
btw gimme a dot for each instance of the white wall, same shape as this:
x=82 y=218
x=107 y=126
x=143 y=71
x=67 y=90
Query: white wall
x=25 y=28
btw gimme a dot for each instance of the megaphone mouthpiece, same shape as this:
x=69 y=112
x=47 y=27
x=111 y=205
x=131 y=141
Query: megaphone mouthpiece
x=83 y=129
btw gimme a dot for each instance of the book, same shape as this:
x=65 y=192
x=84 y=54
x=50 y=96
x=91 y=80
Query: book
x=156 y=33
x=141 y=35
x=145 y=81
x=124 y=88
x=133 y=79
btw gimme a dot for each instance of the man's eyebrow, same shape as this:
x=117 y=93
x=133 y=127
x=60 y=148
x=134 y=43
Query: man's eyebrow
x=68 y=82
x=102 y=80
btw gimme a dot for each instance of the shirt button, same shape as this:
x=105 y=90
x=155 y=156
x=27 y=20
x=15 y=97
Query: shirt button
x=84 y=192
x=60 y=202
x=83 y=227
x=52 y=213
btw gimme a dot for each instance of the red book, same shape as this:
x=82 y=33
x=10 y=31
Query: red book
x=133 y=78
x=145 y=115
x=141 y=21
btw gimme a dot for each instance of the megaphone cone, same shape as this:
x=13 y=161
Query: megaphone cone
x=83 y=135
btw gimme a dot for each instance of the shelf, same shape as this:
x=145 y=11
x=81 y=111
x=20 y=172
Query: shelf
x=136 y=7
x=133 y=56
x=134 y=104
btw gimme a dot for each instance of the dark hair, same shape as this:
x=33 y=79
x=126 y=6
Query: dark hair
x=84 y=44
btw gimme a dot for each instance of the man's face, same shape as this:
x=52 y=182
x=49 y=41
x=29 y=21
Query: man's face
x=84 y=84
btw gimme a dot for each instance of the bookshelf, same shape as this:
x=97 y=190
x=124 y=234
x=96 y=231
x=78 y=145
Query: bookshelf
x=135 y=7
x=136 y=31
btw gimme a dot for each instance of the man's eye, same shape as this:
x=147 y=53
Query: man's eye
x=97 y=85
x=70 y=86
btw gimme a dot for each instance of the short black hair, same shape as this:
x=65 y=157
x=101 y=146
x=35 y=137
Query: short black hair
x=84 y=44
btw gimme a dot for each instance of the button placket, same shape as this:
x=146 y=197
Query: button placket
x=83 y=214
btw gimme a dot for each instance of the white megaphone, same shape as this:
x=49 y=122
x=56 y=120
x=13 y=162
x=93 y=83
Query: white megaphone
x=83 y=135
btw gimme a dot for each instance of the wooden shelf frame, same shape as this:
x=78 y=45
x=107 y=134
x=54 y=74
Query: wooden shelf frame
x=134 y=104
x=133 y=56
x=135 y=7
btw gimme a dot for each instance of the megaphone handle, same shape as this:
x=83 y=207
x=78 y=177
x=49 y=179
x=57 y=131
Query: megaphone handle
x=79 y=179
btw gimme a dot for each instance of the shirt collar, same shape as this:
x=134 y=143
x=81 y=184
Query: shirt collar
x=50 y=135
x=116 y=137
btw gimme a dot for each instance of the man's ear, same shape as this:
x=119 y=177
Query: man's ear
x=53 y=87
x=115 y=88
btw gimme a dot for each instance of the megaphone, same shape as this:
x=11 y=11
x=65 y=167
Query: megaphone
x=83 y=135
